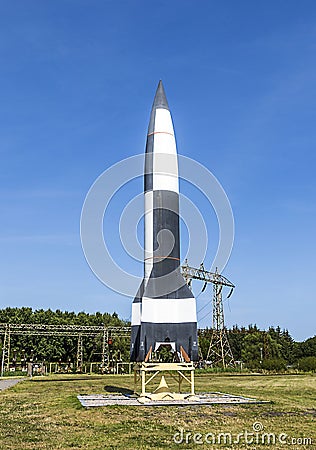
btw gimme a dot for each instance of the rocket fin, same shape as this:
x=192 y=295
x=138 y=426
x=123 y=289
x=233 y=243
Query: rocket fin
x=136 y=323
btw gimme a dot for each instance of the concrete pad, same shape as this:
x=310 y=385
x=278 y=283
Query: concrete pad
x=208 y=398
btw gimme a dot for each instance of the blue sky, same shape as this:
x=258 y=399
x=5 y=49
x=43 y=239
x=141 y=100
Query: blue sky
x=77 y=79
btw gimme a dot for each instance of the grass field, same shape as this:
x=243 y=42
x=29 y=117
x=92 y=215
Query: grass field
x=45 y=414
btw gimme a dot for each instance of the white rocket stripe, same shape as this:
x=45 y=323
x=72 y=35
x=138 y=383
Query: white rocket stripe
x=149 y=232
x=167 y=179
x=166 y=310
x=163 y=121
x=136 y=313
x=165 y=169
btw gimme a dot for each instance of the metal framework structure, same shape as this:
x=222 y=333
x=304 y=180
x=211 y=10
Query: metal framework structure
x=5 y=361
x=219 y=351
x=191 y=273
x=77 y=331
x=79 y=353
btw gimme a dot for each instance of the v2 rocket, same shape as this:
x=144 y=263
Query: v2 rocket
x=164 y=309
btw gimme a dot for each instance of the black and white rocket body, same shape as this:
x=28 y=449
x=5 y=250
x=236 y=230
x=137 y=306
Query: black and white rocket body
x=164 y=309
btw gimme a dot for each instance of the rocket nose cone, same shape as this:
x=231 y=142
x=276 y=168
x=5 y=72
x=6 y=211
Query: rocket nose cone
x=160 y=100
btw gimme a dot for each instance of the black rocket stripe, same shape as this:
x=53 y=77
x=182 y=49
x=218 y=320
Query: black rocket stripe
x=149 y=162
x=166 y=217
x=183 y=334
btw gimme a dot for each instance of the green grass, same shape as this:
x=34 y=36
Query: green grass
x=45 y=414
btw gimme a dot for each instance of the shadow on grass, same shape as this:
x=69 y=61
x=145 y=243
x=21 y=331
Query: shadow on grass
x=66 y=377
x=118 y=390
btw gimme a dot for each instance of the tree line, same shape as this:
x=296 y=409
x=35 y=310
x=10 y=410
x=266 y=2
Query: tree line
x=272 y=349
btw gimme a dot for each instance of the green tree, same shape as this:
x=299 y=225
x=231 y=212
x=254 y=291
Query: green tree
x=307 y=364
x=251 y=351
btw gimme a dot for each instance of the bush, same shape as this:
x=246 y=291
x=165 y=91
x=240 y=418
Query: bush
x=275 y=364
x=253 y=365
x=307 y=364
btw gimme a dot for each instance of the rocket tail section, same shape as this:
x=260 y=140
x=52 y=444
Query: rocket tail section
x=168 y=318
x=177 y=335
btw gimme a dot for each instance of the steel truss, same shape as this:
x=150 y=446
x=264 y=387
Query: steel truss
x=78 y=331
x=219 y=351
x=5 y=361
x=191 y=273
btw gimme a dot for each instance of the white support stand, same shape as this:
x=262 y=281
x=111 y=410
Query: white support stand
x=145 y=372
